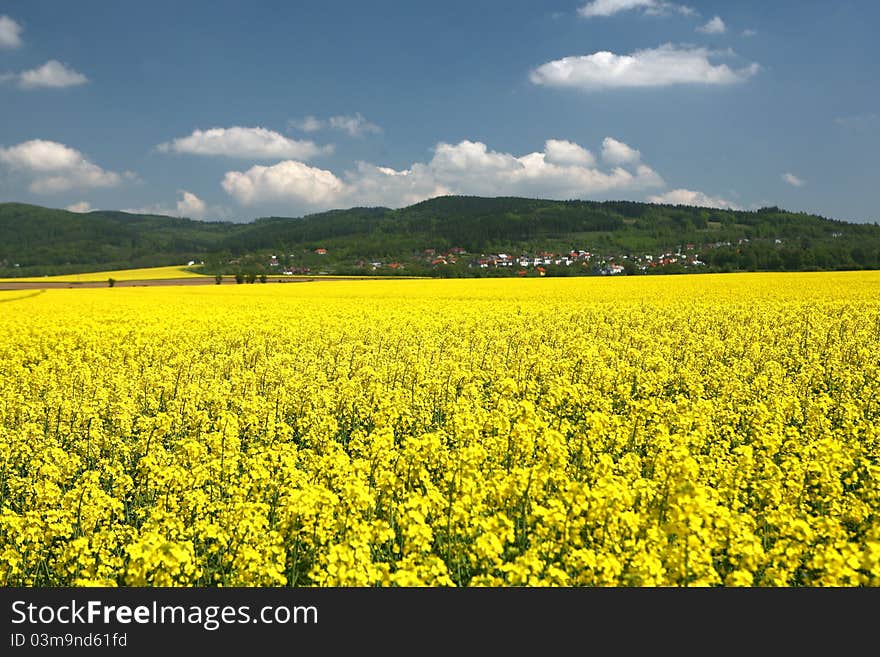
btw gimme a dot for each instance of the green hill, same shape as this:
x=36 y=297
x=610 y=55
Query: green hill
x=36 y=240
x=47 y=241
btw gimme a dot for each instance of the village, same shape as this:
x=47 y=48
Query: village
x=541 y=263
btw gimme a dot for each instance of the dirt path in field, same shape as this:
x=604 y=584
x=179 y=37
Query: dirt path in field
x=207 y=280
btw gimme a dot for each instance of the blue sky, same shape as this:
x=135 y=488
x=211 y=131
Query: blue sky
x=236 y=110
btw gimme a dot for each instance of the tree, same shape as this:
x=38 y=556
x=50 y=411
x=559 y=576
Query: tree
x=748 y=261
x=218 y=279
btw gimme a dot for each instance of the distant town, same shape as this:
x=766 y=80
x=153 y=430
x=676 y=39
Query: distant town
x=582 y=260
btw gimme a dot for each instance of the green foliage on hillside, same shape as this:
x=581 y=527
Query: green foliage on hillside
x=46 y=241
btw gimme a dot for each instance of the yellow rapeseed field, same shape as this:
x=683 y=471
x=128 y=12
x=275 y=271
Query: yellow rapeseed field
x=145 y=274
x=704 y=430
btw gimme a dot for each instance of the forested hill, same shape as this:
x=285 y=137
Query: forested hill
x=36 y=240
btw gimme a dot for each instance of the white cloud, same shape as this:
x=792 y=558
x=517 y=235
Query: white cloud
x=663 y=66
x=562 y=170
x=354 y=125
x=308 y=124
x=559 y=151
x=10 y=33
x=191 y=205
x=793 y=180
x=55 y=167
x=651 y=7
x=82 y=206
x=857 y=120
x=288 y=180
x=52 y=74
x=611 y=7
x=616 y=152
x=257 y=143
x=714 y=26
x=150 y=209
x=188 y=206
x=690 y=197
x=748 y=32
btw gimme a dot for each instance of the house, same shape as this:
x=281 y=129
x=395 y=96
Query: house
x=321 y=251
